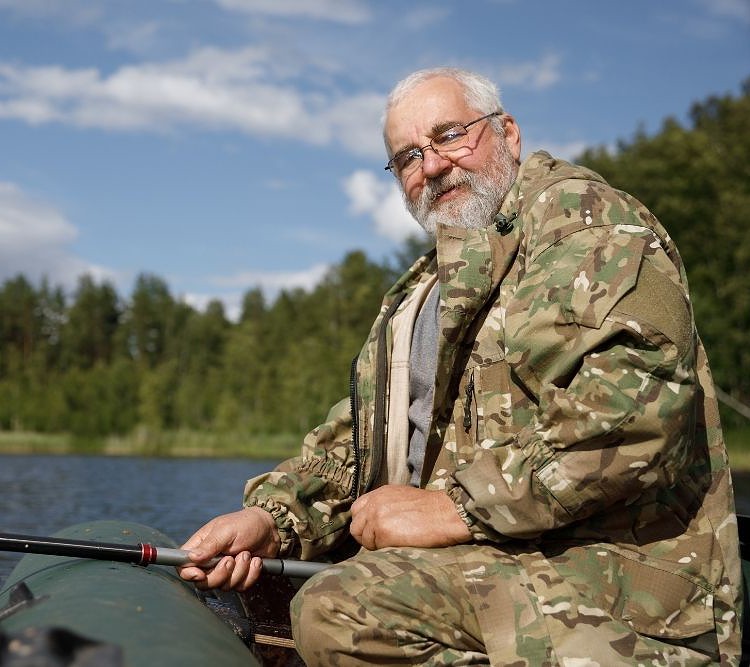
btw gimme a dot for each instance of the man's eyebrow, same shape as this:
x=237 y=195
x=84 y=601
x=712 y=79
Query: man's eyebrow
x=405 y=149
x=437 y=128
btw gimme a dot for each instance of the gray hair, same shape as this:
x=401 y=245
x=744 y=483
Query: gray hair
x=479 y=92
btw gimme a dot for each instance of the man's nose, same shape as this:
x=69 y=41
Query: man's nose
x=434 y=164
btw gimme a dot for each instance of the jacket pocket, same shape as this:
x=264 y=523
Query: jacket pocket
x=609 y=273
x=502 y=405
x=655 y=598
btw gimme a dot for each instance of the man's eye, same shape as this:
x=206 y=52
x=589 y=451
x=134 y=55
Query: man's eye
x=449 y=136
x=407 y=158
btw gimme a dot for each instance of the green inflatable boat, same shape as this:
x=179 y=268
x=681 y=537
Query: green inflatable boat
x=99 y=613
x=78 y=612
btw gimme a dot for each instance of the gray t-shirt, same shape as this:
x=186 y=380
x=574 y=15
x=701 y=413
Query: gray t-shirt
x=422 y=369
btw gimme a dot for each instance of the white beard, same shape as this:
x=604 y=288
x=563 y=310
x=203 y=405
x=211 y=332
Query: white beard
x=475 y=211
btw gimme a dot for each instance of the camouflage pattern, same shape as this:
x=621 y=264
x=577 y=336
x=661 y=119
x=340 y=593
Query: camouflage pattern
x=575 y=428
x=481 y=605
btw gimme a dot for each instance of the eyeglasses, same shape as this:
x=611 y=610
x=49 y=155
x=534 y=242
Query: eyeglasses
x=405 y=163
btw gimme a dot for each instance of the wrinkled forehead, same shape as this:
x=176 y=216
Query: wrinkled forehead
x=427 y=106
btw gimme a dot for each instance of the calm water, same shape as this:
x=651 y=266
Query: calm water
x=40 y=495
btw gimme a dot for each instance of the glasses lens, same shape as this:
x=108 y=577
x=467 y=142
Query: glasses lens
x=452 y=138
x=405 y=162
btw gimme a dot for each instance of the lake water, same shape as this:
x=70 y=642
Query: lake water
x=40 y=495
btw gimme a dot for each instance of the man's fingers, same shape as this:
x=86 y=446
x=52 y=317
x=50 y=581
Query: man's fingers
x=239 y=573
x=231 y=573
x=192 y=573
x=205 y=550
x=364 y=532
x=220 y=575
x=247 y=569
x=369 y=537
x=360 y=503
x=356 y=527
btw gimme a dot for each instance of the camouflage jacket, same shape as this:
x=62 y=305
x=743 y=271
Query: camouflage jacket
x=574 y=406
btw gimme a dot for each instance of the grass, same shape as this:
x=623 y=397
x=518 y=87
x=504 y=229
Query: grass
x=143 y=442
x=25 y=442
x=200 y=443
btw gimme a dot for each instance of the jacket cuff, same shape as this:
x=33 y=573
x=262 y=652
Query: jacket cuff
x=284 y=524
x=478 y=530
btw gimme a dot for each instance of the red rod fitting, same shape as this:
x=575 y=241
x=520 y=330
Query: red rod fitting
x=148 y=554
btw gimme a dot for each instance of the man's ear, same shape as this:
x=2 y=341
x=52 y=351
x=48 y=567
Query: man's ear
x=512 y=136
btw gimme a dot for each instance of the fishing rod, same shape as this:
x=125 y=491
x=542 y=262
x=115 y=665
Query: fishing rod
x=140 y=554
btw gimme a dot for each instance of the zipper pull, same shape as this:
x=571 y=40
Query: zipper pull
x=467 y=402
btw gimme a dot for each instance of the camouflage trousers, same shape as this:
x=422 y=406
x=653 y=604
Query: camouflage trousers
x=465 y=605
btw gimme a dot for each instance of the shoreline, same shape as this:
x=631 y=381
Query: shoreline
x=172 y=444
x=200 y=444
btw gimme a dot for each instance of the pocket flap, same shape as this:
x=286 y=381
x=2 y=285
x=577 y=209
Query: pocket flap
x=609 y=274
x=662 y=602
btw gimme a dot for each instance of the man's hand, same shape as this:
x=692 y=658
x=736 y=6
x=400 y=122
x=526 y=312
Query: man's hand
x=244 y=537
x=404 y=516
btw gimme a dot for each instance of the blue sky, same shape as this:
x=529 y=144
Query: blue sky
x=229 y=144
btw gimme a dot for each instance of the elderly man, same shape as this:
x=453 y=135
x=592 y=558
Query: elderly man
x=530 y=456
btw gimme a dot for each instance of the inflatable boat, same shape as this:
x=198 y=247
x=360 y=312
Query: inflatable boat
x=83 y=612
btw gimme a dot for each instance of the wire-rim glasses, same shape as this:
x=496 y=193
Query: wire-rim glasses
x=447 y=142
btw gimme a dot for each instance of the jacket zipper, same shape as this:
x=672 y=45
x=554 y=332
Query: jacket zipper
x=354 y=402
x=469 y=395
x=381 y=376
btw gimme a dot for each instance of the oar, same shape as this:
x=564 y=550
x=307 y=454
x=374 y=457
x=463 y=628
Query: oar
x=139 y=554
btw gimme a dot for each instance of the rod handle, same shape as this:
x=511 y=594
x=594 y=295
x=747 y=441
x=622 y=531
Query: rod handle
x=290 y=568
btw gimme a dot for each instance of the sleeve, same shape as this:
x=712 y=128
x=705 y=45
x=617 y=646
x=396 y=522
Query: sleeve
x=308 y=496
x=601 y=334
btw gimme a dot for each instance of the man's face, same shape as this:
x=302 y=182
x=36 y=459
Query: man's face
x=467 y=189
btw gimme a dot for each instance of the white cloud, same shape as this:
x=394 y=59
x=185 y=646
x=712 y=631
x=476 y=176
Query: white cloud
x=731 y=9
x=211 y=88
x=538 y=75
x=230 y=290
x=338 y=11
x=35 y=240
x=273 y=281
x=232 y=303
x=133 y=37
x=355 y=122
x=383 y=203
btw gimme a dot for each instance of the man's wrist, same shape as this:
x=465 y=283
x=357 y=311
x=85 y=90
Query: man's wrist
x=282 y=523
x=272 y=531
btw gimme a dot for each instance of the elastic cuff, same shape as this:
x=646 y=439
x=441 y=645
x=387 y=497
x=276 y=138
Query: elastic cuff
x=459 y=497
x=283 y=521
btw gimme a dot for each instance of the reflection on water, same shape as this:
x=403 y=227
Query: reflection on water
x=40 y=495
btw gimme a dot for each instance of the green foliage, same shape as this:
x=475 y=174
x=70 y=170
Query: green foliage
x=151 y=374
x=90 y=325
x=696 y=180
x=147 y=368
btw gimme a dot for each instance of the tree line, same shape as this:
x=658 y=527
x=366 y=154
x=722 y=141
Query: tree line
x=98 y=364
x=696 y=180
x=95 y=363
